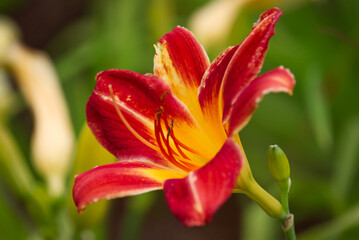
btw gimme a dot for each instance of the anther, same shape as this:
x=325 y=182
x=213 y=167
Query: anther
x=160 y=137
x=169 y=128
x=163 y=95
x=171 y=133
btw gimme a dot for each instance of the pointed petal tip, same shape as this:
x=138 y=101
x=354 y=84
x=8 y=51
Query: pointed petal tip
x=248 y=59
x=290 y=79
x=281 y=67
x=182 y=27
x=273 y=11
x=119 y=179
x=181 y=61
x=81 y=209
x=115 y=180
x=176 y=30
x=99 y=75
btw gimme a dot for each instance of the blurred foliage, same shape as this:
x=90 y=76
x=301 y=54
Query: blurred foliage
x=317 y=127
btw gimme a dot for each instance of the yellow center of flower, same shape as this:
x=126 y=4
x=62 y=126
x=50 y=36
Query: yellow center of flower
x=176 y=152
x=176 y=156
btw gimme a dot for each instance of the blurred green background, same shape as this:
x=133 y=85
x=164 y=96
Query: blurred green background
x=317 y=127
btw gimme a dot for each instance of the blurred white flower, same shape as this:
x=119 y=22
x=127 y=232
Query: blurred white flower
x=53 y=137
x=212 y=23
x=8 y=34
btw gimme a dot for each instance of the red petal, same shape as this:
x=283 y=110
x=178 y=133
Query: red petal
x=277 y=80
x=194 y=199
x=138 y=97
x=208 y=97
x=181 y=61
x=248 y=59
x=118 y=179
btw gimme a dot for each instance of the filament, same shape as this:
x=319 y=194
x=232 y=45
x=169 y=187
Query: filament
x=160 y=137
x=170 y=132
x=124 y=121
x=163 y=143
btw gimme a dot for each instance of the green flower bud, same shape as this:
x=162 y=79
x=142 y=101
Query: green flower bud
x=278 y=164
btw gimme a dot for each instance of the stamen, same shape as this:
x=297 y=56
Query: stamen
x=179 y=144
x=169 y=128
x=160 y=137
x=167 y=142
x=163 y=95
x=170 y=132
x=157 y=133
x=226 y=127
x=124 y=121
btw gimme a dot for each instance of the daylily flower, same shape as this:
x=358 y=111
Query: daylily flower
x=176 y=129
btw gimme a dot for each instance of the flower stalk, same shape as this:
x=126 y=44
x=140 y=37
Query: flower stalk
x=266 y=201
x=280 y=170
x=288 y=220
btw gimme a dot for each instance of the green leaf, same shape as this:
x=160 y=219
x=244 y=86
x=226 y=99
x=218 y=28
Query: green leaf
x=13 y=168
x=20 y=180
x=318 y=107
x=334 y=228
x=12 y=226
x=135 y=213
x=346 y=161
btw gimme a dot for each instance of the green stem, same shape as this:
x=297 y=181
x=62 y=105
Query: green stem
x=284 y=200
x=13 y=167
x=288 y=227
x=266 y=201
x=288 y=220
x=19 y=178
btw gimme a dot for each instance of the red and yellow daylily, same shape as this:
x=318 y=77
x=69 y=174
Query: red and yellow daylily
x=176 y=129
